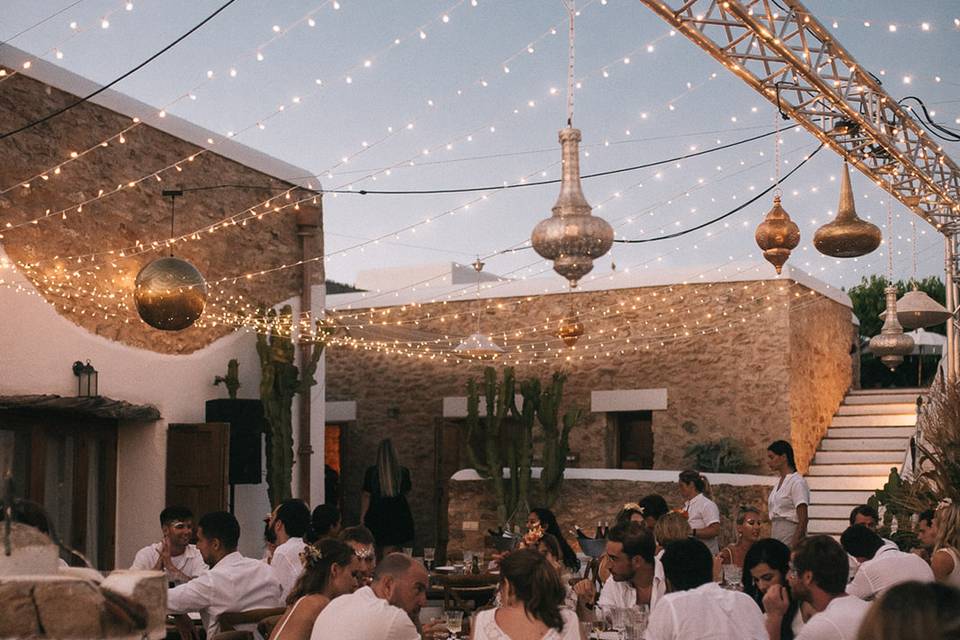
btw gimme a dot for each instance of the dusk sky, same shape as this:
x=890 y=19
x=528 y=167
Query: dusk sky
x=417 y=94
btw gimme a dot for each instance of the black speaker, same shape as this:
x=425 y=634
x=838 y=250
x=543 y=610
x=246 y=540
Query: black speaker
x=247 y=426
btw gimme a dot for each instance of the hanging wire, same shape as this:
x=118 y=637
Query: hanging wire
x=913 y=229
x=889 y=242
x=571 y=57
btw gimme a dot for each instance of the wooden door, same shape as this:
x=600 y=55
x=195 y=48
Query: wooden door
x=198 y=466
x=636 y=439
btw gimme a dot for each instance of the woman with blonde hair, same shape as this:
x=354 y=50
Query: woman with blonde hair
x=945 y=560
x=748 y=532
x=703 y=514
x=329 y=570
x=669 y=528
x=383 y=503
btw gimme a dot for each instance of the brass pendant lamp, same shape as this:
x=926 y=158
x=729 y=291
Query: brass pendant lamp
x=170 y=293
x=570 y=329
x=572 y=238
x=891 y=344
x=917 y=310
x=847 y=236
x=777 y=235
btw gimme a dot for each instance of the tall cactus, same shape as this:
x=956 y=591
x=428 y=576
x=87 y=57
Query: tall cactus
x=280 y=380
x=556 y=437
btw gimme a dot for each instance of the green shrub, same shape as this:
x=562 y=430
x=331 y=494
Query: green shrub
x=725 y=455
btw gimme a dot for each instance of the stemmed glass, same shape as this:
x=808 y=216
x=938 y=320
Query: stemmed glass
x=733 y=576
x=454 y=622
x=428 y=556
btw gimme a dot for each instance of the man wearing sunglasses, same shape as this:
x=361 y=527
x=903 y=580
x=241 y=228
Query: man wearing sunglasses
x=174 y=555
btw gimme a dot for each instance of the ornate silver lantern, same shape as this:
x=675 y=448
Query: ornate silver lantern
x=891 y=345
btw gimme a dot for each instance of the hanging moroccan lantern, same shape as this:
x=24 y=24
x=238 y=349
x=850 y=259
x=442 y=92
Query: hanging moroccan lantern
x=570 y=330
x=572 y=238
x=891 y=345
x=847 y=236
x=170 y=294
x=916 y=310
x=777 y=235
x=478 y=346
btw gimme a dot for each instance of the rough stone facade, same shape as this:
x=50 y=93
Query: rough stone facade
x=728 y=354
x=98 y=294
x=584 y=503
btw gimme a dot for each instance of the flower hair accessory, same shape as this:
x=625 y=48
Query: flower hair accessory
x=944 y=503
x=310 y=555
x=632 y=506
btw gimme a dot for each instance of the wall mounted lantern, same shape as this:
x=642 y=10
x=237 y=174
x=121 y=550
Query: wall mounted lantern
x=86 y=379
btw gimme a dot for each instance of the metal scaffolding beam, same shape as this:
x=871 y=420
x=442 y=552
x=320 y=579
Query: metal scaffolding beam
x=780 y=49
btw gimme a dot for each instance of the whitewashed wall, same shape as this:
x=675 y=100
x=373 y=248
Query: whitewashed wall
x=37 y=349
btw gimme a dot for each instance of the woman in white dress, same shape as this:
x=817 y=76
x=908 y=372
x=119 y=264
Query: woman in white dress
x=788 y=500
x=945 y=560
x=703 y=515
x=329 y=570
x=531 y=603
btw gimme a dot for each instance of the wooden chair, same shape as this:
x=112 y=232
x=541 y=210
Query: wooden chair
x=232 y=619
x=468 y=592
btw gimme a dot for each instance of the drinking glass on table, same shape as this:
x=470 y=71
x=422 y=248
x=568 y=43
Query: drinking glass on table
x=454 y=621
x=408 y=551
x=467 y=559
x=428 y=556
x=479 y=556
x=733 y=576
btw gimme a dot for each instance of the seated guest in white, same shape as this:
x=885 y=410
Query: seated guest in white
x=360 y=539
x=386 y=610
x=945 y=560
x=636 y=576
x=867 y=516
x=330 y=571
x=288 y=522
x=697 y=608
x=819 y=576
x=174 y=554
x=703 y=514
x=531 y=597
x=232 y=584
x=881 y=566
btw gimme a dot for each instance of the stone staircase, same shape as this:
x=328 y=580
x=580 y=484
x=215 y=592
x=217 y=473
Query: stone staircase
x=868 y=435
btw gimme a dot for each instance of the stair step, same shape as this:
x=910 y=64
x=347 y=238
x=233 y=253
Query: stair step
x=831 y=527
x=831 y=511
x=847 y=483
x=864 y=444
x=874 y=409
x=871 y=432
x=857 y=469
x=884 y=420
x=846 y=498
x=894 y=457
x=874 y=392
x=889 y=398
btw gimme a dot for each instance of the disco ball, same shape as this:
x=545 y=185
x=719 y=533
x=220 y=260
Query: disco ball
x=170 y=294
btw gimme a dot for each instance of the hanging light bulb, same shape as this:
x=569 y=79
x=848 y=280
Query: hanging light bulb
x=847 y=236
x=891 y=344
x=572 y=238
x=777 y=235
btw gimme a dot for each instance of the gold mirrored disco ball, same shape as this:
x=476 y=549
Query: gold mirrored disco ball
x=570 y=330
x=170 y=294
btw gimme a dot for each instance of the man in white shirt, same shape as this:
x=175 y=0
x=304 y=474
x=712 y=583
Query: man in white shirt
x=819 y=576
x=385 y=610
x=636 y=576
x=288 y=523
x=174 y=554
x=881 y=565
x=233 y=583
x=696 y=607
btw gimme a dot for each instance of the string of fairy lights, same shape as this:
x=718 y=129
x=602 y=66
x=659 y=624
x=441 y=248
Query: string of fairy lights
x=271 y=207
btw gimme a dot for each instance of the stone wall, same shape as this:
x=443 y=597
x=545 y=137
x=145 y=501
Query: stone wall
x=98 y=294
x=585 y=502
x=821 y=338
x=721 y=350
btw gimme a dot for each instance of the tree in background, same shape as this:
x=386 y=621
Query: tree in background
x=868 y=303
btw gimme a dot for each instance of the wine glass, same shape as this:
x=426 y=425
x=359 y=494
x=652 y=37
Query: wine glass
x=454 y=622
x=428 y=556
x=733 y=576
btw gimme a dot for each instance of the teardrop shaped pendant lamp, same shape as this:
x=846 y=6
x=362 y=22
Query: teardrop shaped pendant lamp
x=847 y=236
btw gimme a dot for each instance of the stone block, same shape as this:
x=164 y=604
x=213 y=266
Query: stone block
x=69 y=608
x=18 y=617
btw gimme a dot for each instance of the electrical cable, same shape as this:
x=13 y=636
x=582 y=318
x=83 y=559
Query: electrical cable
x=80 y=101
x=954 y=135
x=37 y=24
x=775 y=185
